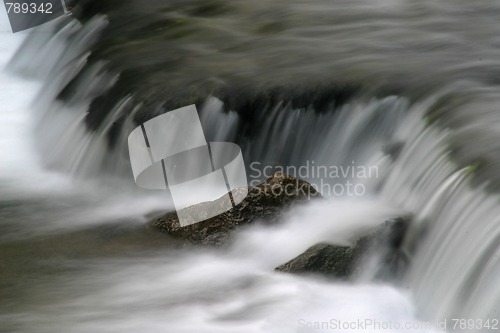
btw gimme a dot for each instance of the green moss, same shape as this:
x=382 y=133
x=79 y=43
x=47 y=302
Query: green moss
x=472 y=168
x=443 y=106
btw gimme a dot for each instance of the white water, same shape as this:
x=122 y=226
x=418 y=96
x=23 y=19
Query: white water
x=78 y=259
x=23 y=176
x=65 y=277
x=457 y=268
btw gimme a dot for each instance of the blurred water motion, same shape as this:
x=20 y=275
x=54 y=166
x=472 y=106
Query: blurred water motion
x=407 y=86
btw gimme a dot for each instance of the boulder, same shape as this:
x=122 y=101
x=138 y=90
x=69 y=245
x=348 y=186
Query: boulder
x=265 y=203
x=324 y=259
x=382 y=248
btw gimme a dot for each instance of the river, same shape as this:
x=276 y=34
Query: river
x=75 y=255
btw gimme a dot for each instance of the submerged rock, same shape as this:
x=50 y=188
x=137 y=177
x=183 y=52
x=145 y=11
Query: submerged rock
x=265 y=203
x=381 y=248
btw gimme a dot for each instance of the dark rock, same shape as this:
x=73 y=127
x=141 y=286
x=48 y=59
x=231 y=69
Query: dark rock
x=393 y=149
x=265 y=203
x=326 y=259
x=383 y=247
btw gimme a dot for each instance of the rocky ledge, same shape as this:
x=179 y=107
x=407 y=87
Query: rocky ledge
x=380 y=250
x=264 y=203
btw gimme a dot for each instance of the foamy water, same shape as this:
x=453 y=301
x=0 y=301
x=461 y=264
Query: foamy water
x=65 y=271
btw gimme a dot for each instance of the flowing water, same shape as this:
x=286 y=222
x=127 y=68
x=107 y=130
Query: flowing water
x=76 y=257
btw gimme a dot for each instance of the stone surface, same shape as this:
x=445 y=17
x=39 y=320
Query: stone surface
x=381 y=248
x=325 y=259
x=264 y=203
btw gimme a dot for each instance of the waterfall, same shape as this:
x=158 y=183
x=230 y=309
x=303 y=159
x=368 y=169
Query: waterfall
x=456 y=262
x=439 y=170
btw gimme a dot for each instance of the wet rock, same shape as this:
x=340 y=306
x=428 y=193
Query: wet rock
x=265 y=203
x=393 y=149
x=325 y=259
x=382 y=249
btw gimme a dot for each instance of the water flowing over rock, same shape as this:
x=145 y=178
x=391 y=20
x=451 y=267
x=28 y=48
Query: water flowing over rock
x=411 y=87
x=381 y=248
x=265 y=202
